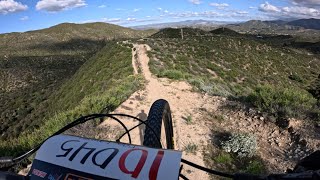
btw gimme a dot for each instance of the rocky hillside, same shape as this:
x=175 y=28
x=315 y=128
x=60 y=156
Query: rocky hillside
x=63 y=38
x=295 y=28
x=100 y=84
x=306 y=23
x=35 y=64
x=231 y=64
x=179 y=32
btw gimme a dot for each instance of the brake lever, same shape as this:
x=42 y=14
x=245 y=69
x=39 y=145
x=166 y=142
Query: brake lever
x=5 y=163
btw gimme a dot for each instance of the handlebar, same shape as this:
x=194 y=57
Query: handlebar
x=308 y=174
x=312 y=175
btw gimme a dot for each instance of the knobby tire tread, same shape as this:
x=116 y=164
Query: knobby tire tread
x=159 y=113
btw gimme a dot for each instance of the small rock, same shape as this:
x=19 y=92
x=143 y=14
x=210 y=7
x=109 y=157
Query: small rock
x=261 y=118
x=303 y=143
x=290 y=129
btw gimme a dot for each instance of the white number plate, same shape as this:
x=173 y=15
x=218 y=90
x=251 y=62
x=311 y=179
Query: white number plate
x=109 y=159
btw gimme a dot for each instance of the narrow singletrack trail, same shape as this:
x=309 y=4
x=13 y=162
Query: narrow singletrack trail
x=183 y=103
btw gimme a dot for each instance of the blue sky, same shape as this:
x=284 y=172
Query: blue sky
x=24 y=15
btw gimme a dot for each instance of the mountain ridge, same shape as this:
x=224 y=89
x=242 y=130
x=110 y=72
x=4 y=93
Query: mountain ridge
x=304 y=23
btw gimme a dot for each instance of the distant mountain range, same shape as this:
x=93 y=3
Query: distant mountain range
x=306 y=23
x=244 y=26
x=203 y=24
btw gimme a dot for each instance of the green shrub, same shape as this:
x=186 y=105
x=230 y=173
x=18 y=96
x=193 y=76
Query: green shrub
x=191 y=148
x=197 y=82
x=223 y=158
x=290 y=101
x=155 y=67
x=255 y=167
x=296 y=77
x=173 y=74
x=243 y=145
x=189 y=119
x=210 y=87
x=219 y=117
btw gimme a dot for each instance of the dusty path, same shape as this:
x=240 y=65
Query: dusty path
x=183 y=103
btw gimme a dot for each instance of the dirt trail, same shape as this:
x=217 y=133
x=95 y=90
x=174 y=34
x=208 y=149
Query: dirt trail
x=183 y=103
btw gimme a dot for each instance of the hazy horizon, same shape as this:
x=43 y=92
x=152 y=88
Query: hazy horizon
x=23 y=15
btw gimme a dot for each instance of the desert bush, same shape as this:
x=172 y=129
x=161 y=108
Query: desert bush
x=210 y=87
x=255 y=167
x=290 y=101
x=296 y=77
x=155 y=67
x=197 y=82
x=189 y=119
x=224 y=158
x=231 y=162
x=173 y=74
x=191 y=148
x=243 y=145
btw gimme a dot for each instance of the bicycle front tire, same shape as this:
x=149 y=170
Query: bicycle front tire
x=159 y=113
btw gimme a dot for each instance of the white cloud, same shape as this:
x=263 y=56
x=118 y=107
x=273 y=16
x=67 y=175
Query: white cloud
x=111 y=20
x=102 y=6
x=211 y=14
x=120 y=9
x=301 y=11
x=11 y=6
x=267 y=7
x=59 y=5
x=219 y=5
x=242 y=12
x=309 y=3
x=196 y=2
x=251 y=7
x=166 y=11
x=131 y=19
x=295 y=11
x=24 y=18
x=160 y=9
x=136 y=10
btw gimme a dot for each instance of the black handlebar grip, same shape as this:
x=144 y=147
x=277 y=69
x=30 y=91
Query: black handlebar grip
x=11 y=176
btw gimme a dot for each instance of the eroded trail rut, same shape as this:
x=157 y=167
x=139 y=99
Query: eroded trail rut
x=183 y=103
